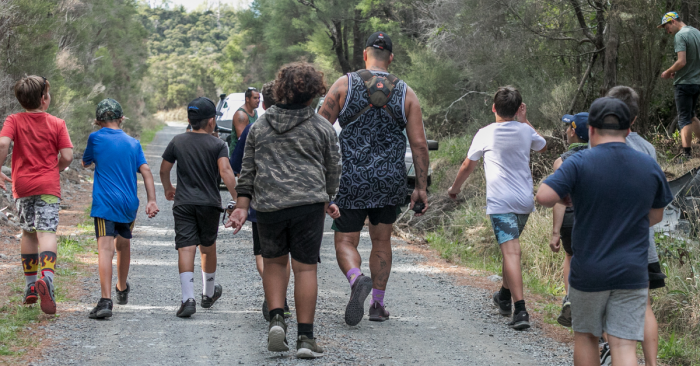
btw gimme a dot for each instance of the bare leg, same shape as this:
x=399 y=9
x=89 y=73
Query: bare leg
x=123 y=261
x=105 y=253
x=274 y=284
x=346 y=251
x=259 y=264
x=305 y=291
x=622 y=351
x=650 y=345
x=512 y=275
x=208 y=257
x=185 y=260
x=567 y=270
x=687 y=135
x=586 y=350
x=29 y=244
x=380 y=258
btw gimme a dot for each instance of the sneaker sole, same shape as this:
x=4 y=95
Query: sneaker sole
x=521 y=325
x=356 y=306
x=564 y=318
x=187 y=312
x=374 y=318
x=31 y=299
x=276 y=340
x=104 y=313
x=306 y=353
x=48 y=305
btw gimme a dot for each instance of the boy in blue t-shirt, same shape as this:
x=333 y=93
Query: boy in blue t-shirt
x=117 y=157
x=618 y=194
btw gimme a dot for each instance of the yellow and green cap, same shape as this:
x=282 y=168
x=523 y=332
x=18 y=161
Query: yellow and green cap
x=671 y=15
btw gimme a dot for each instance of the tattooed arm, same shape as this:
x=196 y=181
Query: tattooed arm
x=240 y=122
x=335 y=100
x=419 y=148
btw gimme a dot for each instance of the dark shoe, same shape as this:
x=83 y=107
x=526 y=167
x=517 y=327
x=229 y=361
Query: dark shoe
x=266 y=311
x=102 y=310
x=123 y=296
x=605 y=357
x=45 y=289
x=521 y=321
x=207 y=301
x=355 y=309
x=187 y=308
x=30 y=295
x=565 y=317
x=505 y=307
x=307 y=348
x=378 y=313
x=277 y=335
x=287 y=312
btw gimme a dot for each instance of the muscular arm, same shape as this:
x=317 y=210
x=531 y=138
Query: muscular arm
x=240 y=121
x=335 y=100
x=416 y=138
x=65 y=159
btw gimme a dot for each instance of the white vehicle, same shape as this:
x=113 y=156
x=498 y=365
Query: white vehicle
x=228 y=105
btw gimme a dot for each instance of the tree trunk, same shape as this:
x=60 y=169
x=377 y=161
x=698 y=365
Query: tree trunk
x=585 y=76
x=337 y=37
x=611 y=47
x=358 y=41
x=689 y=12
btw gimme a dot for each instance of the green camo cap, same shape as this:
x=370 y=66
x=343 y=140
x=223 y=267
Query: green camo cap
x=108 y=109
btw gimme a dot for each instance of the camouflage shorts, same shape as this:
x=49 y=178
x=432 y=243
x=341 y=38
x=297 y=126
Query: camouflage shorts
x=38 y=213
x=508 y=226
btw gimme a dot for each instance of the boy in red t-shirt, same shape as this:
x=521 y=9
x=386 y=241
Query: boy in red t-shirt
x=39 y=139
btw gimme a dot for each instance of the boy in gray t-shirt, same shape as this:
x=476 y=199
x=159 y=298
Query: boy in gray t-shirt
x=650 y=344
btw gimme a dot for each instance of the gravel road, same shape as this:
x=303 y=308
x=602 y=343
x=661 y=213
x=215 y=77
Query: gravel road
x=434 y=321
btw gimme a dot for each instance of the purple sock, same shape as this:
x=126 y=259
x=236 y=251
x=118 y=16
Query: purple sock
x=352 y=275
x=377 y=296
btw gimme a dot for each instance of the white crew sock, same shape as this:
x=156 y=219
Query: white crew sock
x=208 y=283
x=187 y=284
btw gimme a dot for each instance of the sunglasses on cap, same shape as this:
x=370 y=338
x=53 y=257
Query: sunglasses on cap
x=252 y=88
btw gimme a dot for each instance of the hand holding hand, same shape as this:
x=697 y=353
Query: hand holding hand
x=152 y=209
x=419 y=195
x=170 y=193
x=237 y=219
x=3 y=179
x=453 y=192
x=333 y=211
x=555 y=243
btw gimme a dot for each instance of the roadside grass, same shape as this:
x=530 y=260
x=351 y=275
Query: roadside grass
x=461 y=233
x=15 y=317
x=148 y=134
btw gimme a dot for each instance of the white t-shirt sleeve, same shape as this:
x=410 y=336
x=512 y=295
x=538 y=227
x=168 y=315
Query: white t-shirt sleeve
x=538 y=142
x=476 y=150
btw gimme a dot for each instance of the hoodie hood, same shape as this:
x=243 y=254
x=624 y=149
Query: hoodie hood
x=282 y=120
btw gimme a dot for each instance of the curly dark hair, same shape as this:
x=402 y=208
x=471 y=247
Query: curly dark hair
x=298 y=83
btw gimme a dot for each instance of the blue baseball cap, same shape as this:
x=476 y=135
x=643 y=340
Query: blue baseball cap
x=579 y=122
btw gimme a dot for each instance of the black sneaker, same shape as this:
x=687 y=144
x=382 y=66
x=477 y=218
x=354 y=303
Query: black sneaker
x=30 y=294
x=187 y=308
x=207 y=301
x=355 y=309
x=102 y=310
x=521 y=321
x=287 y=312
x=565 y=316
x=265 y=311
x=123 y=296
x=505 y=307
x=277 y=335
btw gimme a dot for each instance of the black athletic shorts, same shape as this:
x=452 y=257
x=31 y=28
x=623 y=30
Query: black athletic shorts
x=353 y=220
x=196 y=225
x=256 y=239
x=299 y=235
x=565 y=233
x=656 y=276
x=686 y=96
x=110 y=228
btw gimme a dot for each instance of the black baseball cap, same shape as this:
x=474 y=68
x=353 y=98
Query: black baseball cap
x=202 y=108
x=379 y=40
x=604 y=107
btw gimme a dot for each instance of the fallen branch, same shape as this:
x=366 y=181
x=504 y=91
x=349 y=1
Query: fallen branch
x=460 y=98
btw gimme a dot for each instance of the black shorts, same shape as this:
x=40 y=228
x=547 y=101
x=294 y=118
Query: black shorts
x=656 y=276
x=196 y=225
x=299 y=236
x=352 y=220
x=686 y=96
x=565 y=233
x=256 y=239
x=110 y=228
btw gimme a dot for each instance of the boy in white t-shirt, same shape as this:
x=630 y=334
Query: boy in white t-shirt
x=505 y=147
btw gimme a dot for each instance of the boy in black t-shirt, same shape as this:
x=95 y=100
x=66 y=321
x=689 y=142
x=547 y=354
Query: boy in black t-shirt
x=616 y=203
x=202 y=162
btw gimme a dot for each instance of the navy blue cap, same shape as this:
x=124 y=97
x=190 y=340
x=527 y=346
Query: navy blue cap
x=579 y=122
x=202 y=108
x=606 y=107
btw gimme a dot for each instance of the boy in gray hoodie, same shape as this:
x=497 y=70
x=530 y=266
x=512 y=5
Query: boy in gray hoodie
x=290 y=173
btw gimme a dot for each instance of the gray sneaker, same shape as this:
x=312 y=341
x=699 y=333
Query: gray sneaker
x=277 y=335
x=307 y=348
x=565 y=317
x=378 y=313
x=355 y=309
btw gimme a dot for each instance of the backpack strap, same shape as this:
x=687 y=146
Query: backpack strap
x=368 y=78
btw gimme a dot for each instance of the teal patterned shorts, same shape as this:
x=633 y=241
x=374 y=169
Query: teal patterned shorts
x=508 y=226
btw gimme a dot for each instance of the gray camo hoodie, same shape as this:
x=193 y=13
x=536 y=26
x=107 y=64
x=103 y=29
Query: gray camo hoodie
x=291 y=159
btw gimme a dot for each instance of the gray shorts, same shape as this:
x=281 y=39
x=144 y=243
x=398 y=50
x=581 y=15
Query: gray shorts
x=38 y=213
x=619 y=313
